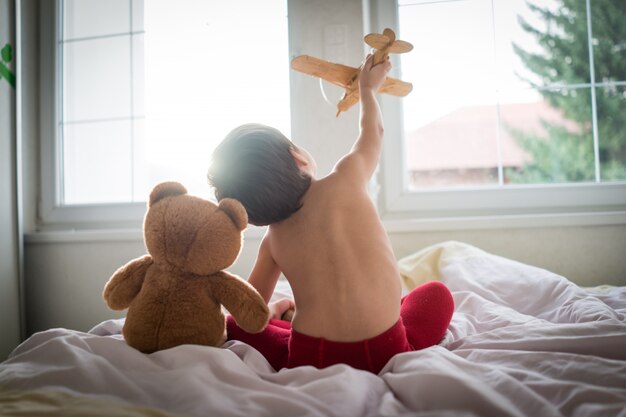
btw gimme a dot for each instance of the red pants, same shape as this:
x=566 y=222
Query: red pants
x=425 y=314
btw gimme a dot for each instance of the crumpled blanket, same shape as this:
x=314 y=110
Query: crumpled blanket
x=522 y=342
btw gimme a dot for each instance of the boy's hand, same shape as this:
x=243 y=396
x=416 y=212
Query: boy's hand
x=371 y=78
x=279 y=307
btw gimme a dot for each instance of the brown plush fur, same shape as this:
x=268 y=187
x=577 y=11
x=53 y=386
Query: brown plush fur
x=174 y=294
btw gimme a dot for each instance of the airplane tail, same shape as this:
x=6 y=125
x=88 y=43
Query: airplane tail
x=347 y=101
x=386 y=43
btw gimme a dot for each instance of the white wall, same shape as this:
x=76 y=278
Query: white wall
x=65 y=281
x=66 y=271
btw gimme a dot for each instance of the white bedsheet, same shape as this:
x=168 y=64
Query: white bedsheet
x=523 y=342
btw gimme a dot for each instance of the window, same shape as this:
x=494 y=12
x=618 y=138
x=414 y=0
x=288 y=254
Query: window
x=518 y=107
x=101 y=46
x=141 y=92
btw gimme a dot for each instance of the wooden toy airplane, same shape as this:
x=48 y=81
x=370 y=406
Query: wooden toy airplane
x=347 y=77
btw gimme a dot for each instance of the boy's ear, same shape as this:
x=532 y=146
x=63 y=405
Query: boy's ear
x=299 y=159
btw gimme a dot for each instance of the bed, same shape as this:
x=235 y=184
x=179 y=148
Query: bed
x=523 y=342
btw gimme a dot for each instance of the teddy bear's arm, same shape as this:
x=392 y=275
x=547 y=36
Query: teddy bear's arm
x=125 y=283
x=242 y=301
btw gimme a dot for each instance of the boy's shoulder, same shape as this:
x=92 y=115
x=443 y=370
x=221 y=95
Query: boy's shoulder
x=326 y=193
x=342 y=182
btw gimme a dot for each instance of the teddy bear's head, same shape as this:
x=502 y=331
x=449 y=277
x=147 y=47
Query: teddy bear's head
x=190 y=234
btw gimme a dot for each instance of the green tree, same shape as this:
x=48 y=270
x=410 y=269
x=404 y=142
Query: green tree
x=567 y=154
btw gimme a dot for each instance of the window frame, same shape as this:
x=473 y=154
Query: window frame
x=401 y=209
x=469 y=207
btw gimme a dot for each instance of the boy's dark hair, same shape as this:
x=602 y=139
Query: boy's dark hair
x=254 y=165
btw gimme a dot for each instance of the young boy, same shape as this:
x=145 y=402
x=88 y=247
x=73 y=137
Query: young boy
x=325 y=236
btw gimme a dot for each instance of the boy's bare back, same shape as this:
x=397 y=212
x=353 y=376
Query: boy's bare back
x=339 y=263
x=334 y=251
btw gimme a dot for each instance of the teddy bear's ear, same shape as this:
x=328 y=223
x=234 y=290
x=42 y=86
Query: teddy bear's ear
x=235 y=210
x=166 y=189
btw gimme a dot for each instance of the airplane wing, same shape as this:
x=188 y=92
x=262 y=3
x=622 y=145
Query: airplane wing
x=395 y=87
x=376 y=40
x=400 y=47
x=337 y=74
x=390 y=86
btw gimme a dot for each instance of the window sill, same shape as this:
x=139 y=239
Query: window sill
x=504 y=222
x=107 y=235
x=391 y=226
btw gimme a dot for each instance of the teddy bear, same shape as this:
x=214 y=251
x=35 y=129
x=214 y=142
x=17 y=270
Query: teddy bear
x=175 y=293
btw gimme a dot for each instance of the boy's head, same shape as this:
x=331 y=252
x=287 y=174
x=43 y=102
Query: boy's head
x=255 y=164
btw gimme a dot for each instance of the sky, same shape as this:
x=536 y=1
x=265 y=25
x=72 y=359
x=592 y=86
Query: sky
x=467 y=61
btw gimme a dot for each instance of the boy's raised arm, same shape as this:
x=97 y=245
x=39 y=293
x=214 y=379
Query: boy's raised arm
x=359 y=165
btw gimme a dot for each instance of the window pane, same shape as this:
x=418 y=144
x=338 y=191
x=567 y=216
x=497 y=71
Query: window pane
x=611 y=104
x=137 y=11
x=206 y=73
x=459 y=148
x=608 y=19
x=97 y=162
x=97 y=79
x=101 y=92
x=509 y=35
x=442 y=62
x=554 y=132
x=502 y=91
x=89 y=18
x=450 y=119
x=139 y=162
x=138 y=76
x=541 y=42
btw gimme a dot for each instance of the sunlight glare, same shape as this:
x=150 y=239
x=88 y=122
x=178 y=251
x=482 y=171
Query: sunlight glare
x=209 y=68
